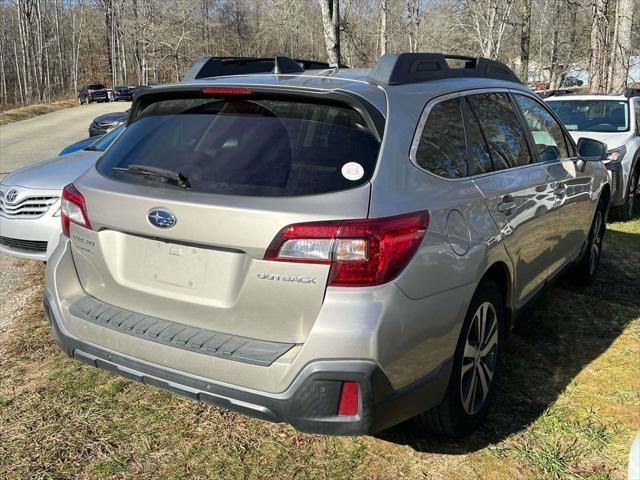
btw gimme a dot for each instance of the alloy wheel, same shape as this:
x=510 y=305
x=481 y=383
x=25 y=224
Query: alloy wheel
x=479 y=360
x=596 y=243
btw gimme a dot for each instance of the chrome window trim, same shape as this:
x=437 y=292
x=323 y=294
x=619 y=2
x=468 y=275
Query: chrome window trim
x=420 y=128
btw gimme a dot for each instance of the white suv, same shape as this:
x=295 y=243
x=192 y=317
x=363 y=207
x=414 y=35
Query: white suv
x=614 y=120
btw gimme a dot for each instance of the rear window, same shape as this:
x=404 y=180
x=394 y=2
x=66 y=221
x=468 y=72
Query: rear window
x=593 y=115
x=254 y=147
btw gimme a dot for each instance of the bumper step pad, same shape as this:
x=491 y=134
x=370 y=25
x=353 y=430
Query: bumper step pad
x=173 y=334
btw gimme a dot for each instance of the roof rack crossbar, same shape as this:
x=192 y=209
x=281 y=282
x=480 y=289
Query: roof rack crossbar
x=404 y=68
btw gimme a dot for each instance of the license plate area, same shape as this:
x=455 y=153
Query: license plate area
x=177 y=265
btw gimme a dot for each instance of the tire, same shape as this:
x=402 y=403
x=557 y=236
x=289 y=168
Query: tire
x=587 y=268
x=468 y=399
x=625 y=212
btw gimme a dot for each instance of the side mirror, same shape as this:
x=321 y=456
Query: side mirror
x=591 y=150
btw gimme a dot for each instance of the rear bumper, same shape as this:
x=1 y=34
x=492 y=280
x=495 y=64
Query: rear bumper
x=98 y=97
x=309 y=404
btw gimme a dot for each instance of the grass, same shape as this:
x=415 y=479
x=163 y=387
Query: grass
x=569 y=406
x=30 y=111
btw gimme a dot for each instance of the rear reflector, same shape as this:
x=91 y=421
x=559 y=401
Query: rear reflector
x=361 y=252
x=73 y=209
x=226 y=91
x=349 y=399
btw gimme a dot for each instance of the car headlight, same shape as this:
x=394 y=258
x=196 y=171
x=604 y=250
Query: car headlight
x=113 y=126
x=616 y=154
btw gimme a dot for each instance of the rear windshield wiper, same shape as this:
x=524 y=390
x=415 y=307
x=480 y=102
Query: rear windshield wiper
x=145 y=170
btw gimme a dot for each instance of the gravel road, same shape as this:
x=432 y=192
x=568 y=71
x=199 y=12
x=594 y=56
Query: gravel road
x=22 y=143
x=42 y=137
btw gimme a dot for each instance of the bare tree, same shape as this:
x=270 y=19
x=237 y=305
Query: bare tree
x=331 y=28
x=620 y=46
x=488 y=22
x=413 y=12
x=599 y=44
x=49 y=47
x=384 y=21
x=525 y=40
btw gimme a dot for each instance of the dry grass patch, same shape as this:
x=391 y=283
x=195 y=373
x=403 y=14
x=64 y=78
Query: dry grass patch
x=23 y=113
x=568 y=407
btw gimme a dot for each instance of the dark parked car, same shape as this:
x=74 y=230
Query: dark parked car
x=107 y=122
x=94 y=92
x=123 y=93
x=572 y=82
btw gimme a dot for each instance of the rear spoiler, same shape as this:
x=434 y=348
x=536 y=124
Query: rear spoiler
x=374 y=118
x=207 y=67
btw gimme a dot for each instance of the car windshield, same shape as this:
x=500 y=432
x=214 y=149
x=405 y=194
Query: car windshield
x=96 y=86
x=104 y=141
x=593 y=115
x=257 y=147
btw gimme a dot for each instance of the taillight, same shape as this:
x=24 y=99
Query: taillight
x=226 y=91
x=73 y=209
x=361 y=252
x=349 y=403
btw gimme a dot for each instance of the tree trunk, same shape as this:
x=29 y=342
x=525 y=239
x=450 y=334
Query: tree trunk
x=620 y=47
x=525 y=41
x=413 y=11
x=598 y=60
x=331 y=27
x=384 y=35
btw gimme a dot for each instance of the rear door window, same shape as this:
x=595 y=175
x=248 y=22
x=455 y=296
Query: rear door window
x=546 y=131
x=504 y=134
x=248 y=146
x=442 y=148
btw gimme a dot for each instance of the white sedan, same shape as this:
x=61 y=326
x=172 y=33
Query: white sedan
x=30 y=200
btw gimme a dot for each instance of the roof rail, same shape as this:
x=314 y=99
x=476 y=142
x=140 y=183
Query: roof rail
x=207 y=67
x=403 y=68
x=632 y=92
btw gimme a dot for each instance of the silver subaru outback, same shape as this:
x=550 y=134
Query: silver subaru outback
x=341 y=250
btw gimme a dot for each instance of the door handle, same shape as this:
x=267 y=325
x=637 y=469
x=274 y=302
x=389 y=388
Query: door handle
x=507 y=204
x=560 y=190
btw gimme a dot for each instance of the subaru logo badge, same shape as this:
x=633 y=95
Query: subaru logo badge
x=161 y=218
x=12 y=195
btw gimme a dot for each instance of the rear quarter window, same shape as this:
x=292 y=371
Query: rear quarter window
x=248 y=146
x=442 y=148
